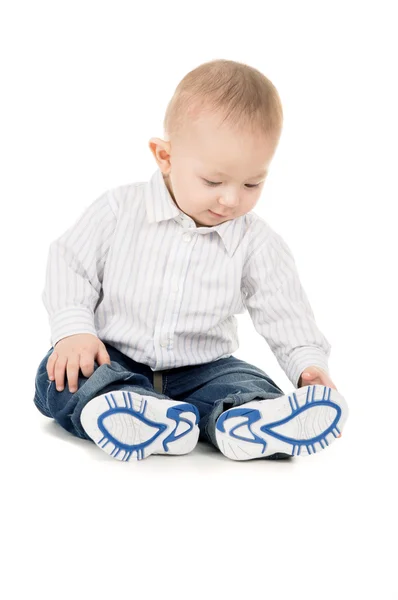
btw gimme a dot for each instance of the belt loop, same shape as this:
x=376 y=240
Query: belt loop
x=158 y=382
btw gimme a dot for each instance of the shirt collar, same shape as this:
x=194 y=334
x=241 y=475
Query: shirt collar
x=160 y=207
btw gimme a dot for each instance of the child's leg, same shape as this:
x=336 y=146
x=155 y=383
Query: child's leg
x=66 y=407
x=246 y=415
x=118 y=409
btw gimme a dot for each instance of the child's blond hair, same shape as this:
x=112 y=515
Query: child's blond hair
x=238 y=92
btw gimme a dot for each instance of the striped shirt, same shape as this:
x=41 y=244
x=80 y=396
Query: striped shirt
x=140 y=274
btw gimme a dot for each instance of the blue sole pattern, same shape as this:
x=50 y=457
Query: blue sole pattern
x=261 y=428
x=129 y=426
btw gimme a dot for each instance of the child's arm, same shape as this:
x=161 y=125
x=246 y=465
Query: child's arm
x=280 y=310
x=75 y=269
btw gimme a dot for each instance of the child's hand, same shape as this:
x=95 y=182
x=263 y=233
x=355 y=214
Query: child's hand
x=73 y=353
x=315 y=376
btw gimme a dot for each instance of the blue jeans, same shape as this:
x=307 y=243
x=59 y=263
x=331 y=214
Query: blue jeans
x=212 y=387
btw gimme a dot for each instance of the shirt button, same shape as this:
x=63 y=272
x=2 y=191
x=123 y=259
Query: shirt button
x=186 y=237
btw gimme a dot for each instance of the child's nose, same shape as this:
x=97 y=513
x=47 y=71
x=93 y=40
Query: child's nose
x=230 y=199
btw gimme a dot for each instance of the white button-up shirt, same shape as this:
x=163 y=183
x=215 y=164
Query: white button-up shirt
x=141 y=275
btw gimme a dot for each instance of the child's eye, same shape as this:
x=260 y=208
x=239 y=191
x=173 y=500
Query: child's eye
x=211 y=182
x=214 y=183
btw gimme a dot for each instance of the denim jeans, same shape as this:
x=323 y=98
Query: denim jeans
x=212 y=387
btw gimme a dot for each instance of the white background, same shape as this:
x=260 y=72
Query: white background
x=84 y=86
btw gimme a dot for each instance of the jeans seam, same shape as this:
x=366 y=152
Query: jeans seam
x=220 y=401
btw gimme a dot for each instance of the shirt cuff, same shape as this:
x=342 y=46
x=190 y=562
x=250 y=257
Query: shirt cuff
x=304 y=357
x=70 y=321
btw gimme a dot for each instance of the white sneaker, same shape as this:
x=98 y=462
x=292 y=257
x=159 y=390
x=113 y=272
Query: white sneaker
x=299 y=424
x=129 y=426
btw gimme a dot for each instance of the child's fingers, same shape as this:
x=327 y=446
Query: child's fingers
x=50 y=365
x=59 y=373
x=72 y=369
x=87 y=363
x=313 y=381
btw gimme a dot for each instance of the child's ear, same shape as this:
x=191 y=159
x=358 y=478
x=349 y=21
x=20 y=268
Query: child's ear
x=161 y=151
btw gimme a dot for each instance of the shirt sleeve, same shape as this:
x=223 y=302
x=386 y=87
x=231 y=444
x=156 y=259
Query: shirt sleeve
x=75 y=268
x=280 y=310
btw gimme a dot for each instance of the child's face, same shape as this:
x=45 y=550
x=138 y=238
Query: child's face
x=210 y=153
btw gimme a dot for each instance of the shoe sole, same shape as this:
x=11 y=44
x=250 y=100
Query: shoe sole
x=129 y=426
x=298 y=424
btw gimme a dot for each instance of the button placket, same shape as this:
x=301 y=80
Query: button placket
x=166 y=341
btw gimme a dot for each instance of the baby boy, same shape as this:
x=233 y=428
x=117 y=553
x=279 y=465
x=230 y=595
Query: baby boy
x=142 y=291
